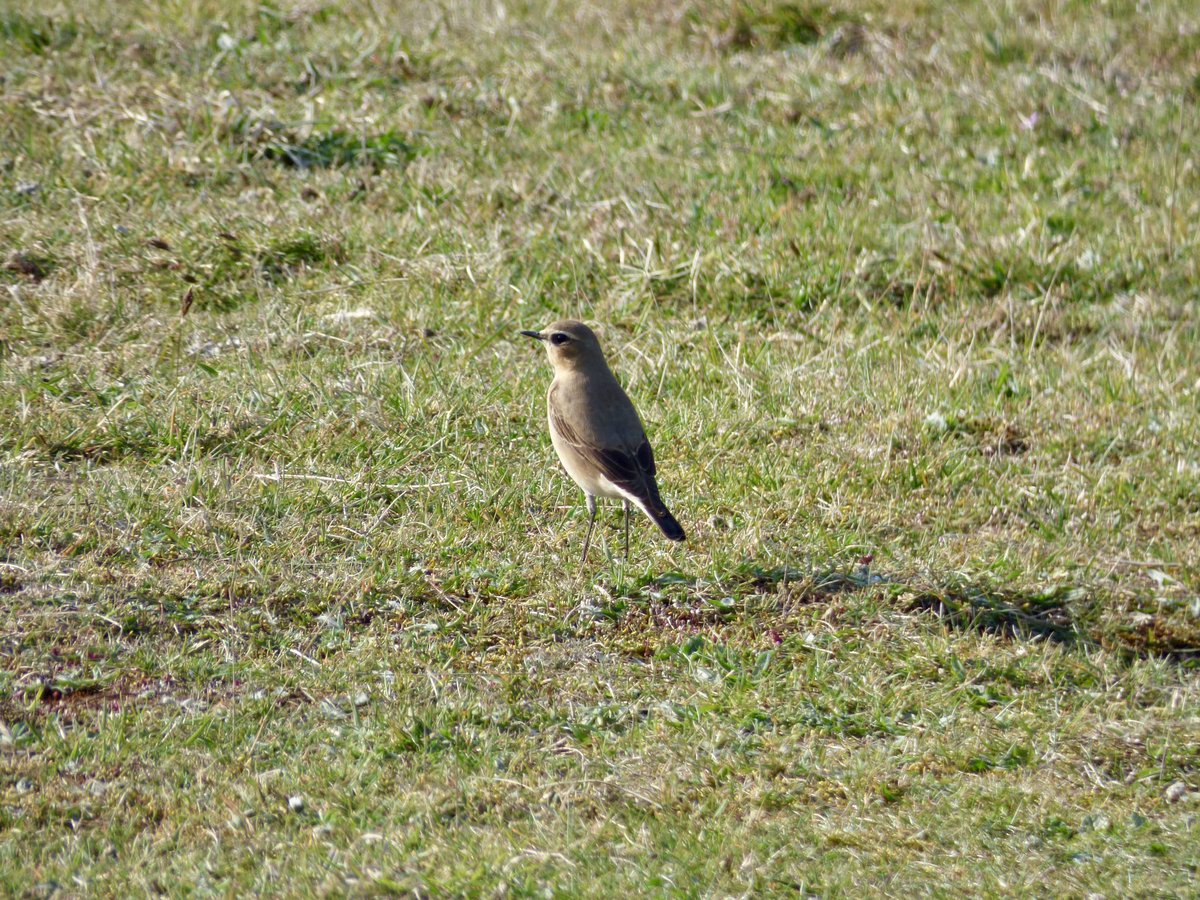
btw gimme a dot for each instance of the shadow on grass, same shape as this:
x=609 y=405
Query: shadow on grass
x=1011 y=613
x=1044 y=616
x=1056 y=614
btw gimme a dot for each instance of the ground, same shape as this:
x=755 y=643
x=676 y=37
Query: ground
x=906 y=294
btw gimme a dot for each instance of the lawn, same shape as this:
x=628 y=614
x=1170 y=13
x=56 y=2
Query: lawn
x=908 y=295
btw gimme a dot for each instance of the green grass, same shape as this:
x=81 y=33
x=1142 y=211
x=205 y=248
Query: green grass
x=907 y=294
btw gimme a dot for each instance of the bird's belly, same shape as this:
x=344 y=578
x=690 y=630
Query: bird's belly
x=583 y=473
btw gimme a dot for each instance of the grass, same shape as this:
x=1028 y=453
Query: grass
x=907 y=294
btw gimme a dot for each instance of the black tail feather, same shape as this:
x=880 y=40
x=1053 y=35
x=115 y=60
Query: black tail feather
x=666 y=522
x=652 y=505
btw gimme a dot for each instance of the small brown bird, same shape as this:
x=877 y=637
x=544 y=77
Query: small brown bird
x=596 y=431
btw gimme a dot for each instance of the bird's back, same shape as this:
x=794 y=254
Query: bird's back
x=597 y=409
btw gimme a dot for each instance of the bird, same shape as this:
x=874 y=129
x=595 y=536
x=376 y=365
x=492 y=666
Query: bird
x=596 y=431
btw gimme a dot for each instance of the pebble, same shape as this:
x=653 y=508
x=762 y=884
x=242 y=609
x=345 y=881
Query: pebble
x=1175 y=792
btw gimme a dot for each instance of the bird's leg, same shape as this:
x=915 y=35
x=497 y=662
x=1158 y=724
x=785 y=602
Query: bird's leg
x=587 y=539
x=626 y=502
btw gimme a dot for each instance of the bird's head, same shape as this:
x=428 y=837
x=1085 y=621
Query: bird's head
x=570 y=344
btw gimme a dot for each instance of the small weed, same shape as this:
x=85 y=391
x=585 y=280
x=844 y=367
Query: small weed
x=38 y=35
x=1004 y=50
x=284 y=254
x=339 y=148
x=1007 y=759
x=782 y=25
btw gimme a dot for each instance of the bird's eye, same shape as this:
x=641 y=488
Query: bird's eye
x=558 y=338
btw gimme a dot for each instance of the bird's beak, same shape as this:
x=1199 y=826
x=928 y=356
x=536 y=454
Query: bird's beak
x=534 y=334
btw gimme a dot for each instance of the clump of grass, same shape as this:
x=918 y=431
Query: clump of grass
x=38 y=34
x=782 y=25
x=285 y=254
x=224 y=271
x=1004 y=50
x=387 y=150
x=322 y=149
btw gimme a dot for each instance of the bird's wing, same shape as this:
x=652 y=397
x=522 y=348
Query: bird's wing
x=631 y=469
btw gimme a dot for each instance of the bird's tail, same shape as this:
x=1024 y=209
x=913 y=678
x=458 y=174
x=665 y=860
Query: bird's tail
x=666 y=522
x=658 y=513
